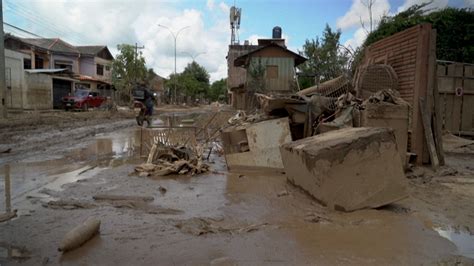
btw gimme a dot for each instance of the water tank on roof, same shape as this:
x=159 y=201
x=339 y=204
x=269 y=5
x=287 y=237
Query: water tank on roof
x=276 y=33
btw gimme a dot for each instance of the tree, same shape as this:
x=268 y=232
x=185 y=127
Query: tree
x=192 y=82
x=325 y=60
x=128 y=68
x=368 y=4
x=218 y=90
x=454 y=30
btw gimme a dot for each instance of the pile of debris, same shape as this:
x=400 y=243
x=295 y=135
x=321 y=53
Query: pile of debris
x=346 y=146
x=165 y=160
x=182 y=150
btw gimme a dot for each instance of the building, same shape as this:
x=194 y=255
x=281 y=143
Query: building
x=268 y=67
x=40 y=71
x=95 y=69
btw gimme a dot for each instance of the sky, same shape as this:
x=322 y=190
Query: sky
x=206 y=33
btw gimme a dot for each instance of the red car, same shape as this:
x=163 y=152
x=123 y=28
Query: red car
x=83 y=99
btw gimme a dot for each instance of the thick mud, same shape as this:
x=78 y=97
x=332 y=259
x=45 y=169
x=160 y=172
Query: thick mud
x=220 y=218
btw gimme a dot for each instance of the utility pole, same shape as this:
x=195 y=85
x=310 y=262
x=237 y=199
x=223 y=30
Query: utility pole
x=135 y=68
x=3 y=85
x=175 y=36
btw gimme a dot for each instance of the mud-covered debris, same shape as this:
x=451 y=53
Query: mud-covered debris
x=68 y=204
x=162 y=189
x=200 y=226
x=50 y=192
x=251 y=228
x=7 y=216
x=110 y=197
x=448 y=171
x=223 y=261
x=316 y=218
x=180 y=167
x=79 y=235
x=166 y=160
x=17 y=253
x=148 y=208
x=283 y=193
x=6 y=151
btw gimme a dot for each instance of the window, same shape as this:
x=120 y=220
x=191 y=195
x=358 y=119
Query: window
x=38 y=62
x=63 y=64
x=100 y=70
x=272 y=72
x=26 y=63
x=107 y=68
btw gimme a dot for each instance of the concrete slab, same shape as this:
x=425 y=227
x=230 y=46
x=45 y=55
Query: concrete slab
x=256 y=145
x=347 y=169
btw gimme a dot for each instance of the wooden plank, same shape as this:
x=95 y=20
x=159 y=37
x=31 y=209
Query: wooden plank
x=449 y=111
x=467 y=122
x=433 y=92
x=457 y=106
x=429 y=134
x=441 y=71
x=421 y=76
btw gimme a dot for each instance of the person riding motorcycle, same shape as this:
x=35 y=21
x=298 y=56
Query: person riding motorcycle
x=144 y=100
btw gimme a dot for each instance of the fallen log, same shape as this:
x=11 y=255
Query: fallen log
x=79 y=235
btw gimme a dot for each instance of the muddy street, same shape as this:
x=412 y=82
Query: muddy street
x=220 y=217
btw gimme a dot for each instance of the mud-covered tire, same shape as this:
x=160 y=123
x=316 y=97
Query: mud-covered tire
x=148 y=120
x=139 y=120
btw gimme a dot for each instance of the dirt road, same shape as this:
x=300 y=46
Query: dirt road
x=219 y=218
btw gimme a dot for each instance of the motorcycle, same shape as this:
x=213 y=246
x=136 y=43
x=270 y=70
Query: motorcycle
x=141 y=113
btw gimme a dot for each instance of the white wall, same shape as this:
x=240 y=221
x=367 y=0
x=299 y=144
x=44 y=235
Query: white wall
x=15 y=78
x=39 y=92
x=107 y=74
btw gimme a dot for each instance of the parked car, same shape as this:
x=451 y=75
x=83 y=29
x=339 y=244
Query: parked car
x=83 y=99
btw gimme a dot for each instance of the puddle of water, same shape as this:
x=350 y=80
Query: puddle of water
x=105 y=151
x=464 y=241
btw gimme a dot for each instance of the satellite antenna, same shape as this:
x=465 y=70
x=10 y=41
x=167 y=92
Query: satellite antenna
x=235 y=24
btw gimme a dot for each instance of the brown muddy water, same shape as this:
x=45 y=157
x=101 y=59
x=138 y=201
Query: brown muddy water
x=222 y=218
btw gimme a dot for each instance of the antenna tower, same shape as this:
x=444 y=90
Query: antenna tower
x=235 y=14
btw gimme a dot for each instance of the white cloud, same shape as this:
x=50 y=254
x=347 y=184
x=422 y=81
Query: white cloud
x=357 y=39
x=224 y=7
x=436 y=4
x=210 y=4
x=469 y=3
x=359 y=12
x=112 y=22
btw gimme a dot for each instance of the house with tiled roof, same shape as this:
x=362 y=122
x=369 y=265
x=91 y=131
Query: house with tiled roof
x=40 y=71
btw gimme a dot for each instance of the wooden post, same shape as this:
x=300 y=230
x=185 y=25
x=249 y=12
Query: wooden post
x=8 y=198
x=434 y=93
x=428 y=133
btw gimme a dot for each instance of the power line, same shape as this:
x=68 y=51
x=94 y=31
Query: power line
x=23 y=30
x=22 y=11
